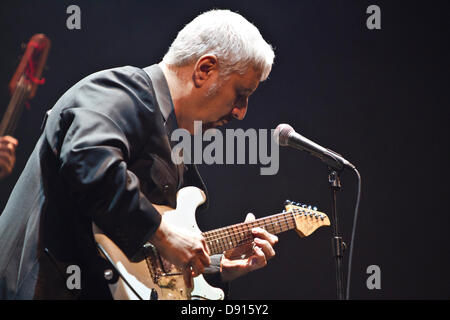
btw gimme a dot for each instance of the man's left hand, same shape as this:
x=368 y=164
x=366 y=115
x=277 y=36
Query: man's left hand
x=250 y=257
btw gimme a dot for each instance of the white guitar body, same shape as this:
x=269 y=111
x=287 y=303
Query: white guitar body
x=154 y=277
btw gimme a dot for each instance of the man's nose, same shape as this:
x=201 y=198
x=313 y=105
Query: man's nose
x=239 y=112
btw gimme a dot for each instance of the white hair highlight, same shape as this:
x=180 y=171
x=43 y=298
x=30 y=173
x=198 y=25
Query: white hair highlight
x=236 y=43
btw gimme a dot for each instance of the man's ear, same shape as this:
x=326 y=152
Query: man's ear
x=205 y=68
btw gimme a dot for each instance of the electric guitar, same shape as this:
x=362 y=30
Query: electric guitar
x=156 y=278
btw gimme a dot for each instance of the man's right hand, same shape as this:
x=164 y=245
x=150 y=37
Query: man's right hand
x=185 y=249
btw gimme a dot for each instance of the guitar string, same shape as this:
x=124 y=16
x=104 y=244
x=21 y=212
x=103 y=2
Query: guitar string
x=279 y=217
x=21 y=104
x=240 y=237
x=244 y=237
x=6 y=122
x=230 y=230
x=218 y=242
x=226 y=232
x=17 y=104
x=17 y=115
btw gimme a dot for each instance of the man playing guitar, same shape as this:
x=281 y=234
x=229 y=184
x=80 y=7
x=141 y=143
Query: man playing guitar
x=104 y=157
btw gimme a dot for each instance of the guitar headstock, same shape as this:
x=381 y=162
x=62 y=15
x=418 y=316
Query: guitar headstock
x=32 y=65
x=307 y=218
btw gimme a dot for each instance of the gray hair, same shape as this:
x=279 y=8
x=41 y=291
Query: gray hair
x=236 y=42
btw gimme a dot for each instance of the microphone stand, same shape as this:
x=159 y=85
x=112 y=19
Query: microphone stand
x=337 y=242
x=285 y=135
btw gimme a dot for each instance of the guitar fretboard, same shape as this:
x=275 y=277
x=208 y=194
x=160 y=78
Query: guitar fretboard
x=15 y=109
x=226 y=238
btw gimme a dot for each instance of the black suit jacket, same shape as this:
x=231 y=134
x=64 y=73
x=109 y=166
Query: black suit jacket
x=103 y=156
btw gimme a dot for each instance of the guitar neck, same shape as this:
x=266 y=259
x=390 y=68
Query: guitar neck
x=15 y=109
x=226 y=238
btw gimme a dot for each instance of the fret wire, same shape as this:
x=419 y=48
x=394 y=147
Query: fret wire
x=238 y=234
x=265 y=225
x=242 y=231
x=213 y=246
x=285 y=218
x=230 y=236
x=222 y=242
x=281 y=225
x=277 y=224
x=227 y=238
x=216 y=243
x=234 y=235
x=219 y=241
x=272 y=226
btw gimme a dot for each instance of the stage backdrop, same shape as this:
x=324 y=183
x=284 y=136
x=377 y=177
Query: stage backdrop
x=376 y=96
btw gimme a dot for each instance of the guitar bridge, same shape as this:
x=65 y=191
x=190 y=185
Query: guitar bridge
x=157 y=266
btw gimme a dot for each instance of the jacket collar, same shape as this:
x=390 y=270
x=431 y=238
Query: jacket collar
x=163 y=97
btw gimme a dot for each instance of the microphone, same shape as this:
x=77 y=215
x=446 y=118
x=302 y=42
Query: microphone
x=285 y=135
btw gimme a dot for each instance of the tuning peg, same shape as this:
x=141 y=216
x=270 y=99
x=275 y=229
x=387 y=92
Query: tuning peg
x=315 y=208
x=287 y=202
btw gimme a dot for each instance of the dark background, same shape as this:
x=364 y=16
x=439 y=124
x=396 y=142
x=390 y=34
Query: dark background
x=378 y=97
